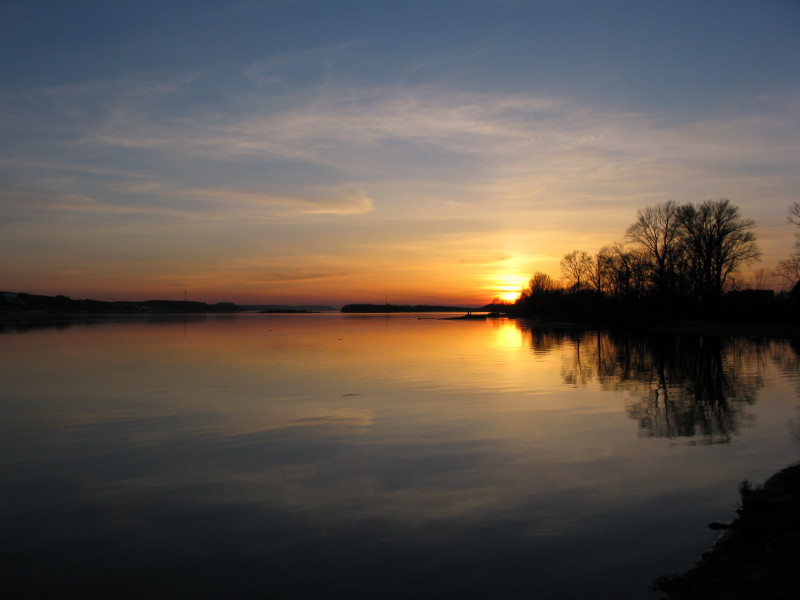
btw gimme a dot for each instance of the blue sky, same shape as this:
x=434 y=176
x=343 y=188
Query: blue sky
x=302 y=151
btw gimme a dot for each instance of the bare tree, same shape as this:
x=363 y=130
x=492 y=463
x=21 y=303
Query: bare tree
x=658 y=231
x=718 y=242
x=794 y=216
x=601 y=272
x=640 y=273
x=789 y=269
x=540 y=282
x=760 y=280
x=542 y=294
x=576 y=268
x=616 y=265
x=627 y=270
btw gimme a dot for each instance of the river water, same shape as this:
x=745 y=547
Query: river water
x=371 y=456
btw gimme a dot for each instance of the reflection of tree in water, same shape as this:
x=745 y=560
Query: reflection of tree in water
x=788 y=363
x=543 y=341
x=678 y=385
x=697 y=386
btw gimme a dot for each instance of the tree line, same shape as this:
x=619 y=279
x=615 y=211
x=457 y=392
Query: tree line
x=789 y=269
x=675 y=258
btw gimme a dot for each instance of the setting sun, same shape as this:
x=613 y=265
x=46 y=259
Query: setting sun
x=508 y=287
x=509 y=296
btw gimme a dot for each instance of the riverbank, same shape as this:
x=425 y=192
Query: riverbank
x=757 y=555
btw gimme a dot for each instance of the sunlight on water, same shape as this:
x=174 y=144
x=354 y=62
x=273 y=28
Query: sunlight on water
x=374 y=456
x=506 y=335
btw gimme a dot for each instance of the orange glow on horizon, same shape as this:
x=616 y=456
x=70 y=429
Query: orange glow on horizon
x=509 y=296
x=507 y=287
x=422 y=286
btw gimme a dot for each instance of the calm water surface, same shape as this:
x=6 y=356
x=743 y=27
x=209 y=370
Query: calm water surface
x=327 y=455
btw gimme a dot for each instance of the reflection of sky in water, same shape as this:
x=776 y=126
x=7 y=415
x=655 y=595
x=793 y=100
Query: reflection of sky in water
x=328 y=454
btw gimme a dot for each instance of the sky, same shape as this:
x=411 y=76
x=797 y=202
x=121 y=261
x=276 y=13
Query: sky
x=329 y=152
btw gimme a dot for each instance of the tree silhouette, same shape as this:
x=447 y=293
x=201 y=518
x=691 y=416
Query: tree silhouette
x=678 y=261
x=658 y=232
x=576 y=267
x=540 y=282
x=789 y=269
x=717 y=241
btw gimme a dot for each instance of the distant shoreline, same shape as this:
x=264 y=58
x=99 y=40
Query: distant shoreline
x=32 y=308
x=15 y=304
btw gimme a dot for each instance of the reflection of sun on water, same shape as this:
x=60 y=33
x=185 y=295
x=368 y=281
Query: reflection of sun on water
x=507 y=335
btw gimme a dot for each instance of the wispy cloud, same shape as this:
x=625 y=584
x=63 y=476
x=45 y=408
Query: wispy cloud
x=465 y=178
x=298 y=275
x=239 y=203
x=364 y=136
x=288 y=69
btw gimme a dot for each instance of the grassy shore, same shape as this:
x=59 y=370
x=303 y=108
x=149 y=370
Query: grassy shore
x=758 y=554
